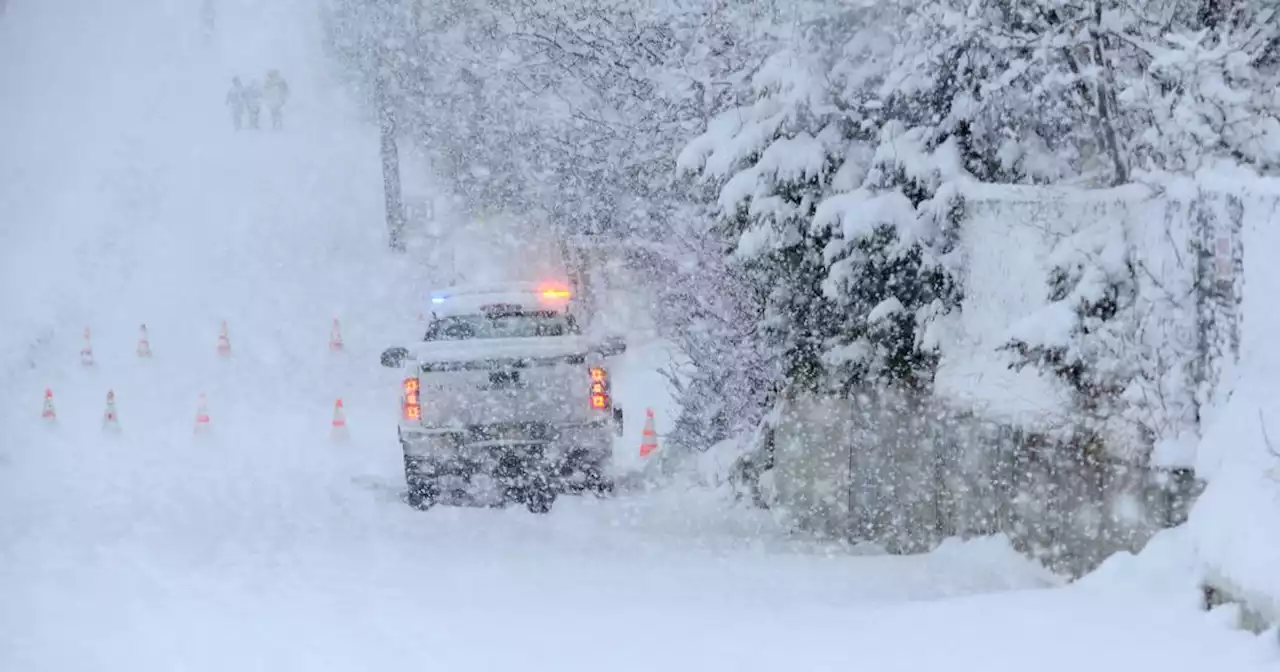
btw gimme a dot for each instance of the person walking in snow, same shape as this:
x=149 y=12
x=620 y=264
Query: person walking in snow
x=252 y=102
x=276 y=92
x=236 y=101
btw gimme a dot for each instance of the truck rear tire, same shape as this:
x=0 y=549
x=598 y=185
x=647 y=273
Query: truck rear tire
x=539 y=496
x=539 y=501
x=582 y=472
x=421 y=498
x=422 y=493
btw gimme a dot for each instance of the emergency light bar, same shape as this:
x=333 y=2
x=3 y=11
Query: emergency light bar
x=545 y=292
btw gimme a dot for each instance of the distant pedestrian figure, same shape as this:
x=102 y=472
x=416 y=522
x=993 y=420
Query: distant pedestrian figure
x=252 y=102
x=276 y=92
x=236 y=101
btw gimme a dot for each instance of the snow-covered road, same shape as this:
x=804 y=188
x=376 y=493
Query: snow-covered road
x=210 y=555
x=125 y=198
x=270 y=552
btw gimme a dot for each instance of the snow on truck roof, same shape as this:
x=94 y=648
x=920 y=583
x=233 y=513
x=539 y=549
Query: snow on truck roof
x=469 y=299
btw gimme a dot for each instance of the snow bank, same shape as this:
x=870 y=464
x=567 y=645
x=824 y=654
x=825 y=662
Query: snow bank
x=997 y=553
x=1166 y=566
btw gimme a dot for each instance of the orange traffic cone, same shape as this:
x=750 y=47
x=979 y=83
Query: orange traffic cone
x=48 y=412
x=339 y=425
x=86 y=353
x=224 y=342
x=144 y=345
x=335 y=337
x=649 y=438
x=202 y=415
x=110 y=421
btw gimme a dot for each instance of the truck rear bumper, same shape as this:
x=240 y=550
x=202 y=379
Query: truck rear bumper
x=551 y=441
x=569 y=457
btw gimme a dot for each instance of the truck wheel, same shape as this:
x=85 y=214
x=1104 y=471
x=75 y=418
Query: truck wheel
x=540 y=501
x=602 y=486
x=421 y=497
x=594 y=478
x=539 y=497
x=422 y=493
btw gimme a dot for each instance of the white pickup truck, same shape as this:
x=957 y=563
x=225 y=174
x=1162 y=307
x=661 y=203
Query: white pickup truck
x=504 y=399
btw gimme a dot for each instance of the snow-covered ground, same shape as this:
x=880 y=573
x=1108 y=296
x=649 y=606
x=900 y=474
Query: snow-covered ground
x=265 y=544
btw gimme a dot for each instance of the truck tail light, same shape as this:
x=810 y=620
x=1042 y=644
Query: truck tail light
x=599 y=388
x=410 y=404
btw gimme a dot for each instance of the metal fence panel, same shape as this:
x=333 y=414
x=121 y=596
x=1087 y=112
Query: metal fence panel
x=904 y=472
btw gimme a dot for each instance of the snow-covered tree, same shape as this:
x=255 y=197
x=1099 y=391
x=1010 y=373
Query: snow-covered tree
x=890 y=265
x=1206 y=95
x=833 y=217
x=784 y=177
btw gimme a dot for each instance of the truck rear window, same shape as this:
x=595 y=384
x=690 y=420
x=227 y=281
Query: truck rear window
x=530 y=324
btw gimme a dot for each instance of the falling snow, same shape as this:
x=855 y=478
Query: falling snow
x=949 y=335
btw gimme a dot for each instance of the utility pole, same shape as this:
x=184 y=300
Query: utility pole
x=390 y=154
x=208 y=19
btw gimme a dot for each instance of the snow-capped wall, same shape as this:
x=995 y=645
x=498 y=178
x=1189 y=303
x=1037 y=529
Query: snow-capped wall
x=1209 y=240
x=1235 y=525
x=1178 y=246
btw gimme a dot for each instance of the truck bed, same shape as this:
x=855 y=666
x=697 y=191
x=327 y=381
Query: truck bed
x=490 y=352
x=465 y=384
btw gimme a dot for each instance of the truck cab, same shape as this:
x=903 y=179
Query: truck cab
x=504 y=399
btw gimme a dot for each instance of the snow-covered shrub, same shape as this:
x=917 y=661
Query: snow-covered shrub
x=711 y=312
x=1084 y=334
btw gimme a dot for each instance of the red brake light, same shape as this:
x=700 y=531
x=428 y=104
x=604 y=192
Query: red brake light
x=599 y=388
x=556 y=293
x=411 y=405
